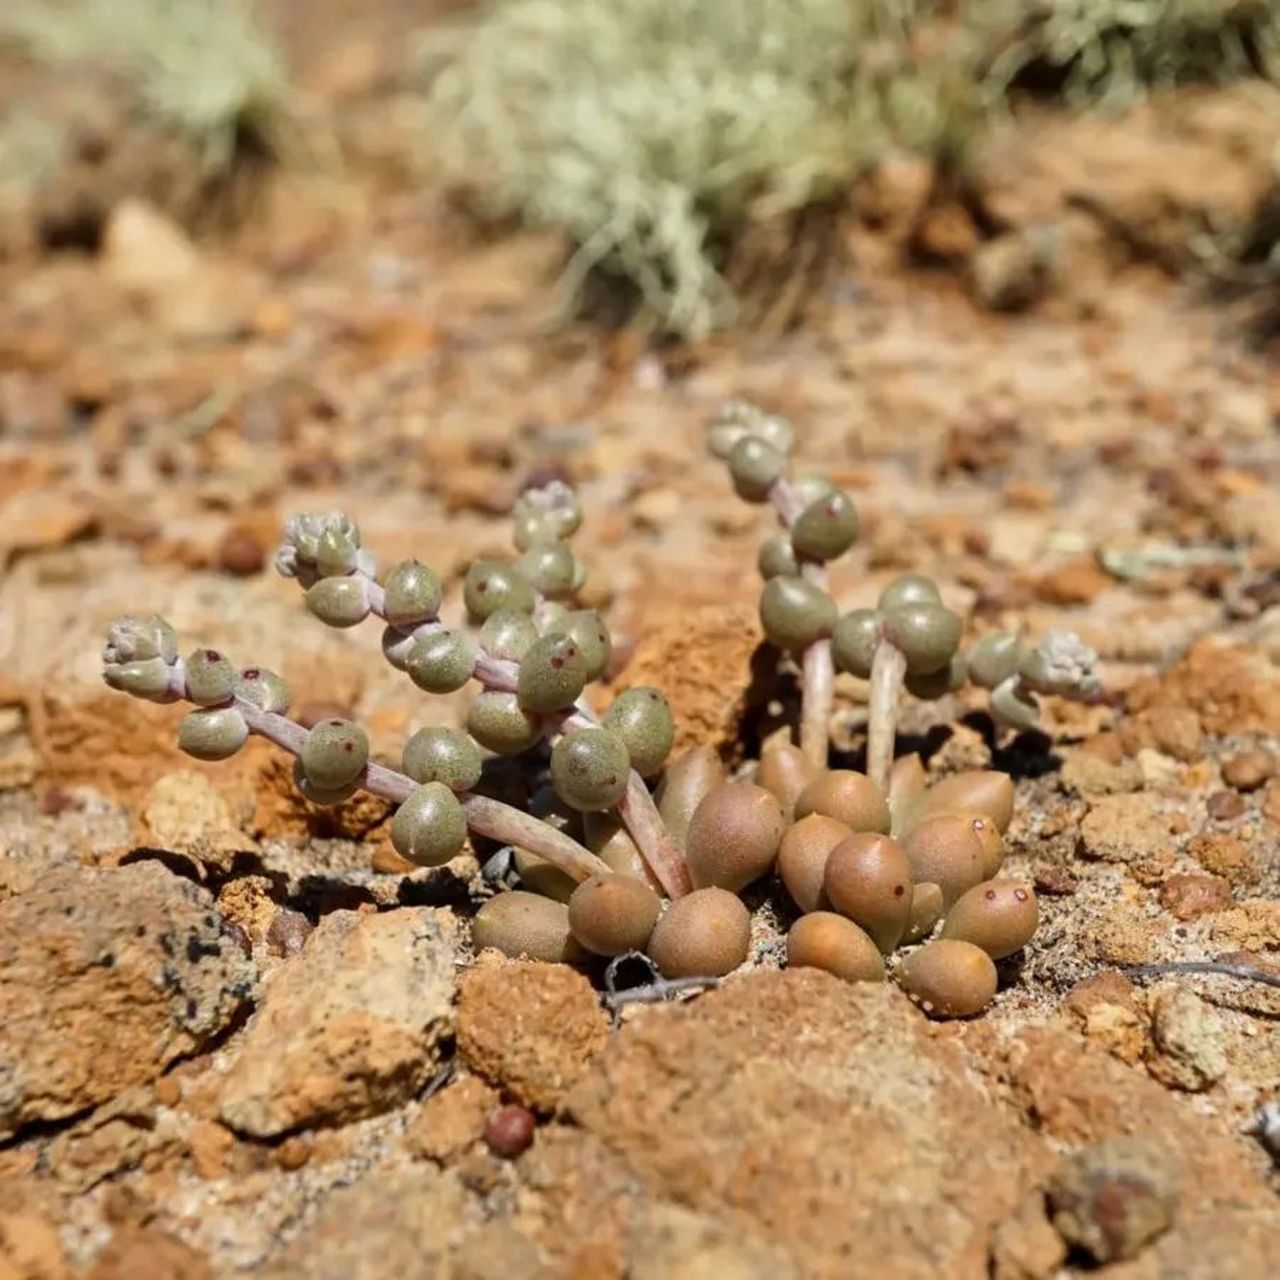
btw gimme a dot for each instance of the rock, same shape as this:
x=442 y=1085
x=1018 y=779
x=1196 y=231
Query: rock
x=1112 y=1198
x=1121 y=936
x=1012 y=273
x=185 y=813
x=1190 y=1040
x=247 y=903
x=29 y=1244
x=1248 y=770
x=114 y=1138
x=136 y=1251
x=1187 y=897
x=106 y=977
x=191 y=295
x=1026 y=1247
x=1123 y=829
x=349 y=1026
x=1252 y=926
x=452 y=1119
x=945 y=233
x=702 y=660
x=1232 y=689
x=499 y=1252
x=1076 y=1096
x=671 y=1243
x=395 y=1221
x=1271 y=803
x=509 y=1132
x=530 y=1028
x=241 y=553
x=1229 y=1241
x=1176 y=732
x=713 y=1108
x=1224 y=806
x=1225 y=856
x=1107 y=1012
x=1085 y=773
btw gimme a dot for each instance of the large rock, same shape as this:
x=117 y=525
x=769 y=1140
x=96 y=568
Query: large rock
x=1225 y=1223
x=350 y=1026
x=531 y=1029
x=398 y=1222
x=107 y=976
x=830 y=1117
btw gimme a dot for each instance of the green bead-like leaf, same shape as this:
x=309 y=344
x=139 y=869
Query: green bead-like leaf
x=211 y=678
x=214 y=733
x=334 y=754
x=641 y=717
x=795 y=612
x=443 y=755
x=412 y=594
x=589 y=769
x=430 y=827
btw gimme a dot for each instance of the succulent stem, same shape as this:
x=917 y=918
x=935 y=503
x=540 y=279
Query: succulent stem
x=888 y=668
x=643 y=822
x=817 y=678
x=636 y=809
x=501 y=822
x=485 y=817
x=817 y=693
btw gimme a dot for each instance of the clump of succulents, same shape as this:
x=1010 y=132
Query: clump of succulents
x=607 y=867
x=910 y=639
x=531 y=653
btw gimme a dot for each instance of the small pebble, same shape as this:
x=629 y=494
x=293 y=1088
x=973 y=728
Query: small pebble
x=1224 y=806
x=293 y=1152
x=1189 y=896
x=168 y=1091
x=509 y=1131
x=1112 y=1198
x=241 y=554
x=287 y=932
x=1248 y=770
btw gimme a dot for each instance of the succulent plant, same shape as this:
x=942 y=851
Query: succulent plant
x=909 y=640
x=873 y=861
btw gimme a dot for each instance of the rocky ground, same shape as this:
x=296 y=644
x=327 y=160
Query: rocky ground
x=238 y=1037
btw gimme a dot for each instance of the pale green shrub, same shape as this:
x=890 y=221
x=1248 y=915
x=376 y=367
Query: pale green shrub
x=1112 y=52
x=652 y=130
x=205 y=69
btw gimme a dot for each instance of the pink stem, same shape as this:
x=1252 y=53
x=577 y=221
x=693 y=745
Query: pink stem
x=888 y=667
x=817 y=680
x=636 y=809
x=817 y=695
x=643 y=822
x=501 y=822
x=485 y=817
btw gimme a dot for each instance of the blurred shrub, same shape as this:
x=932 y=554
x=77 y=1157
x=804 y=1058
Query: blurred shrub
x=203 y=69
x=1112 y=52
x=654 y=131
